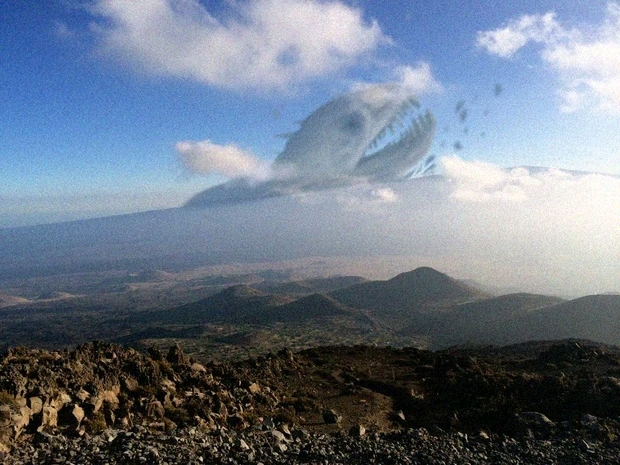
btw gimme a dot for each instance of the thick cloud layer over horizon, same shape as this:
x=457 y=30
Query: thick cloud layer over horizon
x=538 y=230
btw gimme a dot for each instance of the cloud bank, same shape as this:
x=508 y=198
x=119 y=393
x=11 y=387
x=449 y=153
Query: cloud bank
x=260 y=44
x=557 y=226
x=538 y=230
x=586 y=60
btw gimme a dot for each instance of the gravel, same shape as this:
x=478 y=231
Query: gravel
x=193 y=446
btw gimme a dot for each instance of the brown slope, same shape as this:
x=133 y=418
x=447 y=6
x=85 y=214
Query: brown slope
x=595 y=317
x=312 y=307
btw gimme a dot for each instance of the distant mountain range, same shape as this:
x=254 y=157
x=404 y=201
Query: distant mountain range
x=423 y=307
x=423 y=303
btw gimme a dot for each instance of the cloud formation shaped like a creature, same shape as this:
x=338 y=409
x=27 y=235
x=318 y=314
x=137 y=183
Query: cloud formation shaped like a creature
x=372 y=134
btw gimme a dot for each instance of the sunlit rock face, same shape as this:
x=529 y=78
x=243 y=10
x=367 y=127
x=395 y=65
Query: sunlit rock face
x=373 y=134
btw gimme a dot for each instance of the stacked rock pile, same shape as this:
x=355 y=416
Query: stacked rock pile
x=99 y=386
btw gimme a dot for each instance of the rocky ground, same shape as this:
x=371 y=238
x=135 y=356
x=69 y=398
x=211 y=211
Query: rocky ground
x=407 y=446
x=101 y=403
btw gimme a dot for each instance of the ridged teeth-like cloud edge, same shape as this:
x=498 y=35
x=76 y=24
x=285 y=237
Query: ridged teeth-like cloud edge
x=418 y=129
x=405 y=109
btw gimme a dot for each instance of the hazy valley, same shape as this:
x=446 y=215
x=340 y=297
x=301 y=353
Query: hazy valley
x=229 y=315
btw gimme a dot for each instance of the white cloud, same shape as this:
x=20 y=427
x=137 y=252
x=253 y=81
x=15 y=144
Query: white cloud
x=266 y=44
x=478 y=181
x=586 y=61
x=205 y=157
x=481 y=182
x=506 y=41
x=418 y=79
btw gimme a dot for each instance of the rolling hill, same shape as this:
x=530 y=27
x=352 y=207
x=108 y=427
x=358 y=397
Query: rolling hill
x=423 y=308
x=236 y=304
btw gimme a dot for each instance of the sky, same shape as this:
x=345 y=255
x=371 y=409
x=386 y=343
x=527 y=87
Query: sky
x=116 y=106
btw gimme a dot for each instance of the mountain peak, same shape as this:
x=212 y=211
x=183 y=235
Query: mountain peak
x=410 y=292
x=426 y=282
x=422 y=273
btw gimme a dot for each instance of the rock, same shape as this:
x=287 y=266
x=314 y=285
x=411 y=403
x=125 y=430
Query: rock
x=223 y=412
x=278 y=435
x=57 y=400
x=130 y=383
x=169 y=425
x=49 y=419
x=36 y=404
x=176 y=356
x=268 y=423
x=155 y=353
x=78 y=414
x=155 y=410
x=536 y=419
x=331 y=417
x=6 y=430
x=5 y=415
x=535 y=423
x=63 y=399
x=589 y=420
x=357 y=431
x=198 y=367
x=236 y=421
x=21 y=420
x=110 y=399
x=82 y=394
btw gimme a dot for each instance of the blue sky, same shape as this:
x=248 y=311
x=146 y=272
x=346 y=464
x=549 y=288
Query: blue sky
x=98 y=97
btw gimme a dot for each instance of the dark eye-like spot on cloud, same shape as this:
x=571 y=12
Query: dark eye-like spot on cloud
x=354 y=122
